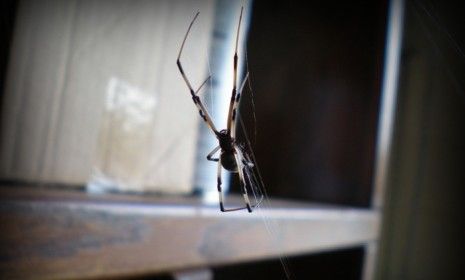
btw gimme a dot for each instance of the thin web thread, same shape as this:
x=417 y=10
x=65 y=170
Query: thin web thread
x=249 y=84
x=258 y=190
x=437 y=49
x=441 y=27
x=211 y=95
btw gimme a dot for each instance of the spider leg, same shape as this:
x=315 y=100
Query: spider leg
x=240 y=169
x=232 y=109
x=243 y=178
x=220 y=192
x=210 y=155
x=245 y=165
x=202 y=111
x=232 y=120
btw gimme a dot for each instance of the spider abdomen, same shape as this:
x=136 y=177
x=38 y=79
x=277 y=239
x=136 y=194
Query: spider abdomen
x=228 y=161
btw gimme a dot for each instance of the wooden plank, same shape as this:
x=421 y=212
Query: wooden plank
x=52 y=234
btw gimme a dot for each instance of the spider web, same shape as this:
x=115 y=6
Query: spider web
x=257 y=185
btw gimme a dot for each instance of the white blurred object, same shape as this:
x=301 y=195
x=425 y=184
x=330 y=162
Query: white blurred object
x=194 y=274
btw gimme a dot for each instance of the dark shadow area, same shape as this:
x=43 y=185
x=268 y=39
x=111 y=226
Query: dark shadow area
x=316 y=76
x=341 y=264
x=7 y=18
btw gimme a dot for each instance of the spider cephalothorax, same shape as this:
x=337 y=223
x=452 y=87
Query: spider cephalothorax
x=232 y=157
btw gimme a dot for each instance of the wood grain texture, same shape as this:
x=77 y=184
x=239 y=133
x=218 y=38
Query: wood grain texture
x=54 y=234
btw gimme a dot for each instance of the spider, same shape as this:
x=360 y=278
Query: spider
x=232 y=156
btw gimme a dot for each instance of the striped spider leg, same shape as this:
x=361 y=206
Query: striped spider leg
x=231 y=155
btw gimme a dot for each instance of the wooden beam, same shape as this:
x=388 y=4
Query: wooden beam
x=57 y=234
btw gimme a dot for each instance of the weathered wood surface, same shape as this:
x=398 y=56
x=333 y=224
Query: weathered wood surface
x=57 y=234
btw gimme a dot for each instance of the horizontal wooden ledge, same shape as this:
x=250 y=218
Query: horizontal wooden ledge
x=62 y=234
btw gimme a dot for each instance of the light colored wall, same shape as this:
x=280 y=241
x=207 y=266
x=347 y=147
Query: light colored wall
x=70 y=59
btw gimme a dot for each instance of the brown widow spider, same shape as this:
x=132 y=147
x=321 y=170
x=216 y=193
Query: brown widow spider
x=232 y=157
